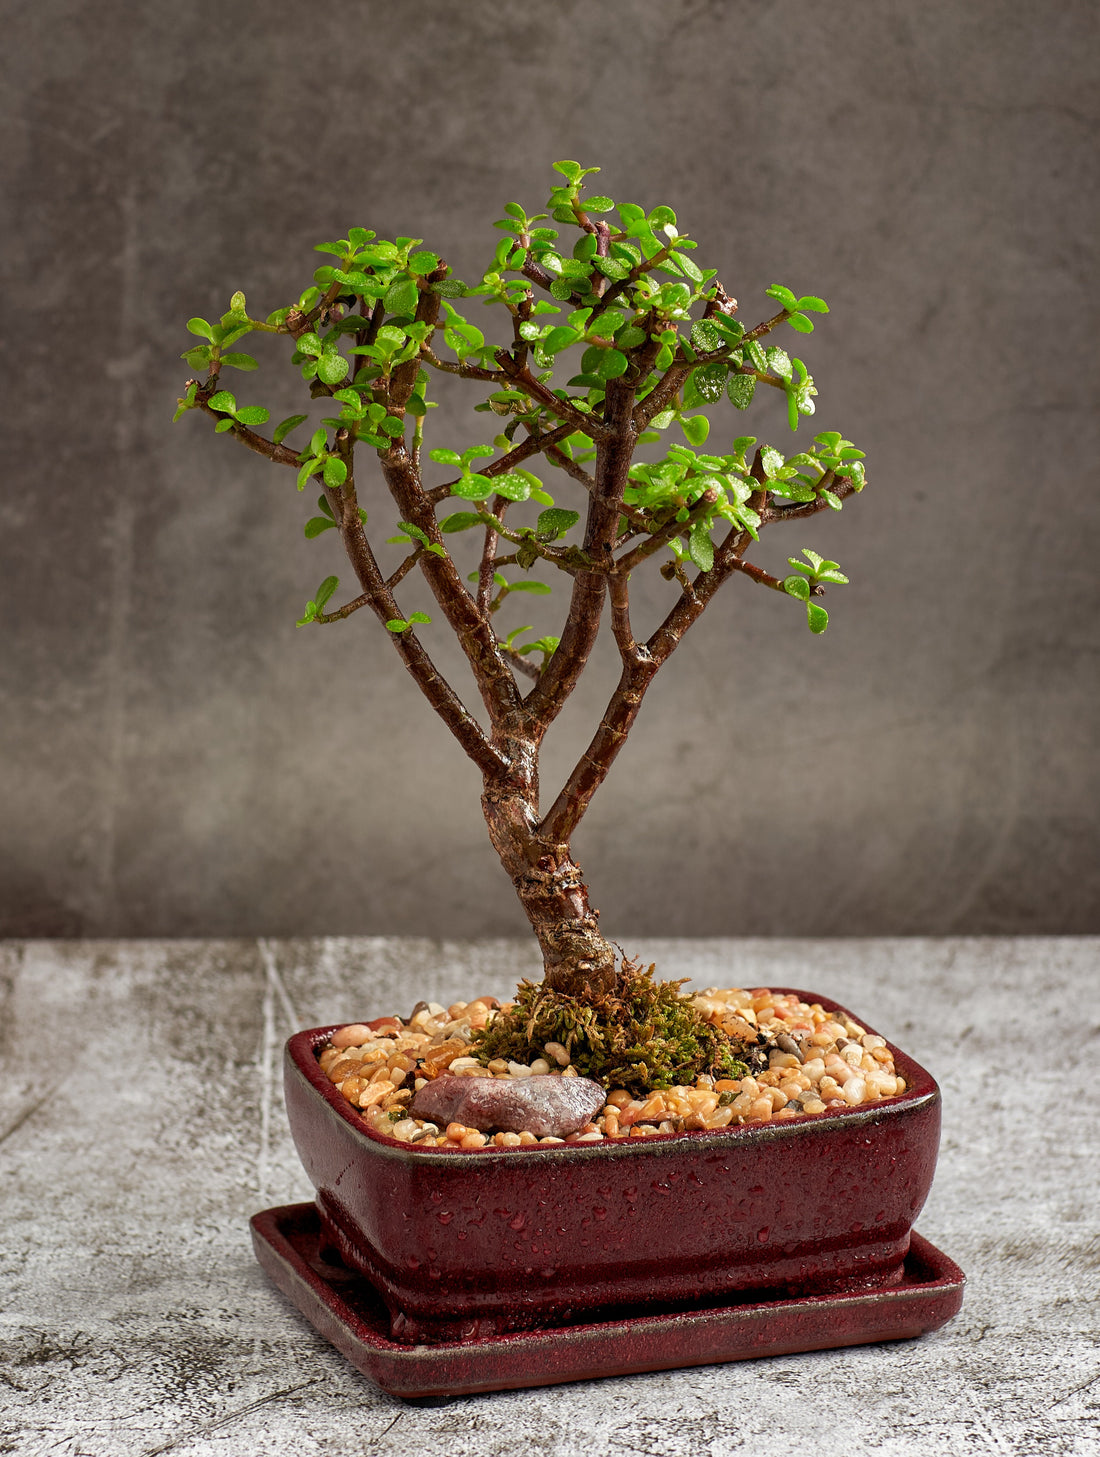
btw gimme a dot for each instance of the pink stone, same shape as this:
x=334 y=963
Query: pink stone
x=543 y=1106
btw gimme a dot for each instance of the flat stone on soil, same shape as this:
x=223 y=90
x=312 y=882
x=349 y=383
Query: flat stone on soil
x=544 y=1106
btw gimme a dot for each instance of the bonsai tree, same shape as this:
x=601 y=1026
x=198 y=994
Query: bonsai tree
x=652 y=342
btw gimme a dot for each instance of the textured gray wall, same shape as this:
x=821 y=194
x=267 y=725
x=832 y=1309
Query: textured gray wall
x=179 y=759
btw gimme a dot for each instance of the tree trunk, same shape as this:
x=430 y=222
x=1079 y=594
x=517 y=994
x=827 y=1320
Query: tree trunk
x=577 y=960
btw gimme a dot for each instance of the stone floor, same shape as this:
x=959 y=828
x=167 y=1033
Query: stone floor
x=141 y=1124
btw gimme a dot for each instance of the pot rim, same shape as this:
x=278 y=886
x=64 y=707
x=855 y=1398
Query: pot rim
x=921 y=1090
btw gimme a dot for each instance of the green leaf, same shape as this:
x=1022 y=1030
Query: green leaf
x=709 y=381
x=545 y=645
x=613 y=268
x=817 y=617
x=512 y=486
x=310 y=614
x=772 y=461
x=223 y=402
x=571 y=170
x=473 y=488
x=414 y=531
x=690 y=268
x=797 y=587
x=201 y=328
x=560 y=338
x=336 y=472
x=556 y=522
x=460 y=521
x=310 y=344
x=419 y=617
x=401 y=297
x=833 y=500
x=802 y=325
x=828 y=572
x=197 y=357
x=783 y=296
x=597 y=204
x=423 y=263
x=779 y=363
x=732 y=330
x=706 y=336
x=310 y=468
x=443 y=456
x=611 y=364
x=756 y=356
x=695 y=427
x=331 y=367
x=223 y=425
x=700 y=546
x=325 y=590
x=316 y=524
x=253 y=415
x=792 y=409
x=240 y=361
x=449 y=288
x=812 y=304
x=740 y=388
x=397 y=624
x=529 y=584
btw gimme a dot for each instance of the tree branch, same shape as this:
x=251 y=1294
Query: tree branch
x=525 y=665
x=615 y=449
x=488 y=550
x=843 y=489
x=565 y=814
x=629 y=650
x=281 y=454
x=758 y=574
x=533 y=445
x=524 y=380
x=665 y=533
x=467 y=371
x=492 y=674
x=379 y=598
x=679 y=370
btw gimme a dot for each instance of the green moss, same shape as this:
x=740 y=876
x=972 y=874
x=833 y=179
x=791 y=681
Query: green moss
x=642 y=1036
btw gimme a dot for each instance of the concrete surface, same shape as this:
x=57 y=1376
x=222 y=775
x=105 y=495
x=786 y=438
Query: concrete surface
x=140 y=1126
x=928 y=168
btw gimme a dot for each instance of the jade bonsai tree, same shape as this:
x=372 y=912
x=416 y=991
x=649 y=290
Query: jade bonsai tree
x=659 y=345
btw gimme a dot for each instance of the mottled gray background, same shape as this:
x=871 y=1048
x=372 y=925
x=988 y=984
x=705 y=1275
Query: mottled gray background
x=179 y=759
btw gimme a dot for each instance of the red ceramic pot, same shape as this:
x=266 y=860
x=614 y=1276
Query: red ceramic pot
x=474 y=1242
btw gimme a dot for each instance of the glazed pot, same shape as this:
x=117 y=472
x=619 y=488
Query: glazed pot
x=466 y=1243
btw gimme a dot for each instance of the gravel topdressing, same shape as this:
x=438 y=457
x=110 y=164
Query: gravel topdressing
x=814 y=1062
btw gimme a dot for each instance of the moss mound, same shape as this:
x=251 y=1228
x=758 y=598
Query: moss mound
x=642 y=1036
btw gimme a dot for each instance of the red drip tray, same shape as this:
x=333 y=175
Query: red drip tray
x=347 y=1311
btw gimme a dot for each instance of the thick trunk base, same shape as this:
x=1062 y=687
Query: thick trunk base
x=578 y=960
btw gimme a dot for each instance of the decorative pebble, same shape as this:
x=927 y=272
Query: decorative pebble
x=539 y=1105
